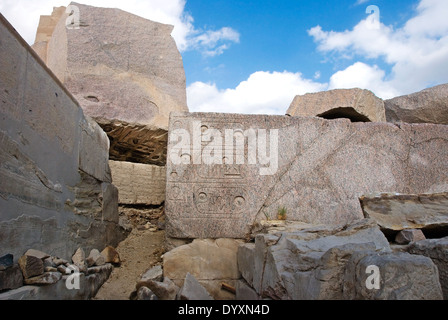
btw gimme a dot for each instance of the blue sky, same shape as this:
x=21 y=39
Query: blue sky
x=255 y=56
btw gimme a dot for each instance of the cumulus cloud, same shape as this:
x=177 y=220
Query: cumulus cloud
x=416 y=52
x=24 y=16
x=262 y=93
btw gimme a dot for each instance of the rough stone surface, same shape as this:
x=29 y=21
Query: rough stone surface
x=427 y=106
x=79 y=260
x=48 y=150
x=47 y=278
x=402 y=277
x=166 y=290
x=145 y=294
x=153 y=274
x=437 y=250
x=127 y=74
x=11 y=278
x=406 y=211
x=203 y=259
x=139 y=184
x=192 y=290
x=31 y=266
x=308 y=264
x=95 y=258
x=410 y=235
x=355 y=104
x=6 y=262
x=323 y=168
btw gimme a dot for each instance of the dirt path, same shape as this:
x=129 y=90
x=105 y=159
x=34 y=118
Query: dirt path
x=140 y=251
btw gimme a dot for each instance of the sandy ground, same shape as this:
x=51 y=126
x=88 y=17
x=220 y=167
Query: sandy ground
x=140 y=251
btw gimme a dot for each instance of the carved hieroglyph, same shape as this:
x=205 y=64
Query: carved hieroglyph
x=317 y=169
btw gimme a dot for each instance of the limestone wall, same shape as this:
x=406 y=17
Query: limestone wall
x=55 y=183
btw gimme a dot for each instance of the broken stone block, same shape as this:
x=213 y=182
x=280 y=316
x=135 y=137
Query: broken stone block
x=426 y=106
x=38 y=254
x=437 y=250
x=192 y=290
x=409 y=235
x=145 y=294
x=166 y=290
x=47 y=278
x=6 y=262
x=396 y=212
x=95 y=258
x=391 y=276
x=354 y=104
x=31 y=266
x=111 y=255
x=11 y=278
x=153 y=274
x=79 y=260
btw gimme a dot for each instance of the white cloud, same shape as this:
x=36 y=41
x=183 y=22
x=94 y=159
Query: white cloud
x=24 y=16
x=262 y=93
x=361 y=2
x=417 y=52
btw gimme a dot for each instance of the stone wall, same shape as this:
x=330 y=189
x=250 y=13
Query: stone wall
x=55 y=183
x=317 y=173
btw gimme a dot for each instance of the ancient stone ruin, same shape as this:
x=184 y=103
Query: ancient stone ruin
x=344 y=197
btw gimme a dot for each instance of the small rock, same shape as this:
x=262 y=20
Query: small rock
x=193 y=290
x=166 y=290
x=64 y=270
x=111 y=255
x=11 y=278
x=153 y=229
x=59 y=261
x=44 y=279
x=50 y=269
x=49 y=263
x=153 y=274
x=79 y=260
x=95 y=259
x=106 y=268
x=31 y=266
x=409 y=235
x=38 y=254
x=6 y=262
x=145 y=294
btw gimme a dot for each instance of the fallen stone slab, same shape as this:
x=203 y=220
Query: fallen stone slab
x=354 y=104
x=426 y=106
x=111 y=255
x=38 y=254
x=437 y=250
x=396 y=212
